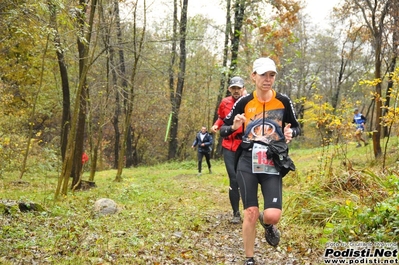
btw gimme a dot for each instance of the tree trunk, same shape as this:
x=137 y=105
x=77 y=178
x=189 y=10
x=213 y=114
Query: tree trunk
x=376 y=25
x=176 y=97
x=117 y=111
x=378 y=104
x=392 y=65
x=234 y=35
x=66 y=98
x=138 y=42
x=83 y=50
x=129 y=148
x=172 y=140
x=95 y=134
x=122 y=70
x=218 y=150
x=115 y=123
x=80 y=134
x=239 y=9
x=69 y=164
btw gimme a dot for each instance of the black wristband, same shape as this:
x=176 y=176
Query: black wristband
x=228 y=130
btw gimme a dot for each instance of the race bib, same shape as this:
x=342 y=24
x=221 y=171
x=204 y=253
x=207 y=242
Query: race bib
x=260 y=162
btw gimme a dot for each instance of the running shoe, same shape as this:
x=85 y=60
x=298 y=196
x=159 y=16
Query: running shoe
x=272 y=234
x=236 y=218
x=250 y=261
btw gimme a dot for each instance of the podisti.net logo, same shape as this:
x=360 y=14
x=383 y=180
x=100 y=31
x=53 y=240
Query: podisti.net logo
x=361 y=253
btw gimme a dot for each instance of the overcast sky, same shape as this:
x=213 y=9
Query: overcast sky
x=318 y=10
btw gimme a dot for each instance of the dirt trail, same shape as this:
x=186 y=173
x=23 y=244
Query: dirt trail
x=224 y=240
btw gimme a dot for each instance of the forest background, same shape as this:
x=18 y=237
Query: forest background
x=131 y=82
x=77 y=78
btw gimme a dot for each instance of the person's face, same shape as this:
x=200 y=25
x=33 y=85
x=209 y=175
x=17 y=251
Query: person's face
x=203 y=129
x=236 y=91
x=264 y=82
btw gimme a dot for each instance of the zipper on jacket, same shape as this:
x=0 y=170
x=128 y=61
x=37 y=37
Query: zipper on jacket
x=263 y=119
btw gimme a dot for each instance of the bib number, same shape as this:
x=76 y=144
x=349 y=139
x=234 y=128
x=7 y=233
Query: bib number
x=260 y=162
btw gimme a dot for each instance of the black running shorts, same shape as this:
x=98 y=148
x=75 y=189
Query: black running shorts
x=271 y=185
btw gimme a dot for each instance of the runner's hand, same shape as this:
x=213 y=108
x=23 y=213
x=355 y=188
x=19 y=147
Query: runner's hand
x=288 y=133
x=239 y=120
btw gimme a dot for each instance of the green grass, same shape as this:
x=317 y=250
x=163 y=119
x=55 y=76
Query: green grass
x=162 y=209
x=168 y=215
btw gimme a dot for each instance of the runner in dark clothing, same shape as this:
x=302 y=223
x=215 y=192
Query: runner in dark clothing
x=230 y=143
x=204 y=141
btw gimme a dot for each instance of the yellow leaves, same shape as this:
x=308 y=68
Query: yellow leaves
x=6 y=141
x=348 y=203
x=274 y=28
x=371 y=83
x=390 y=117
x=331 y=124
x=317 y=97
x=6 y=98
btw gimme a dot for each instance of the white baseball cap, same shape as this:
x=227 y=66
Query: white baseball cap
x=263 y=65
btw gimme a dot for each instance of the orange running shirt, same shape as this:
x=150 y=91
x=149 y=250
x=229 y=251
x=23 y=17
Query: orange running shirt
x=264 y=120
